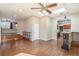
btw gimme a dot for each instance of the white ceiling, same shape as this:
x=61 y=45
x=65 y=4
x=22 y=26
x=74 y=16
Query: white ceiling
x=23 y=10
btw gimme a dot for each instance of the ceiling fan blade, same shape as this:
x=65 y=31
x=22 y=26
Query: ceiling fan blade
x=40 y=4
x=48 y=11
x=35 y=8
x=51 y=5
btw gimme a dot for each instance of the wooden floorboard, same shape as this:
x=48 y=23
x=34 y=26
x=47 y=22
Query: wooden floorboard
x=37 y=47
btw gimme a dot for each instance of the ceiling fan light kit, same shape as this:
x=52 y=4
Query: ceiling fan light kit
x=43 y=13
x=45 y=9
x=40 y=13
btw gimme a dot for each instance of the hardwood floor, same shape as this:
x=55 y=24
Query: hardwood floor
x=38 y=48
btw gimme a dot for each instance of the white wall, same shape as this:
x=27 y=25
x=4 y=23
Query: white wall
x=28 y=25
x=74 y=24
x=0 y=29
x=54 y=29
x=32 y=25
x=45 y=29
x=0 y=33
x=40 y=27
x=35 y=28
x=20 y=26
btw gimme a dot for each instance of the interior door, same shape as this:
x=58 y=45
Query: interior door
x=36 y=31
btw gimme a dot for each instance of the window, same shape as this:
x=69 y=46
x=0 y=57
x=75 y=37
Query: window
x=5 y=25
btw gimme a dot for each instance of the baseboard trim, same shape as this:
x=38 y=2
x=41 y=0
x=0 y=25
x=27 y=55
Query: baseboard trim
x=42 y=40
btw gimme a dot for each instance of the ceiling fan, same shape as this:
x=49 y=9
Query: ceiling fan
x=46 y=8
